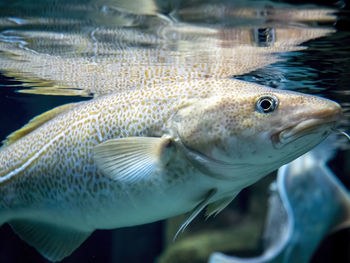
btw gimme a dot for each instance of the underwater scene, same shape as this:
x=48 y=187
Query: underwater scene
x=174 y=131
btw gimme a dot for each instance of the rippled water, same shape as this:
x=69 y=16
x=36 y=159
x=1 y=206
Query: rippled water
x=54 y=52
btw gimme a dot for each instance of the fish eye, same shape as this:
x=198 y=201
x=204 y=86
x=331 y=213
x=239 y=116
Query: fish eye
x=266 y=104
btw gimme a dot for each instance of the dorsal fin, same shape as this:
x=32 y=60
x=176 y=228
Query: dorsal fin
x=35 y=123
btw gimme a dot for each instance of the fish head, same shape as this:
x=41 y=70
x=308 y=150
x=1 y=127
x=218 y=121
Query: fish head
x=254 y=126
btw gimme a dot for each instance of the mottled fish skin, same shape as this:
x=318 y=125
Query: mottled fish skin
x=50 y=175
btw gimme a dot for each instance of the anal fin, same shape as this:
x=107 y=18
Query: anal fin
x=53 y=242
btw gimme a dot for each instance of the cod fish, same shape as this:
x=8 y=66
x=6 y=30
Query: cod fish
x=134 y=157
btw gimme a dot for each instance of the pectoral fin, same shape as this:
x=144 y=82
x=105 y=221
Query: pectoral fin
x=132 y=158
x=196 y=211
x=216 y=207
x=53 y=242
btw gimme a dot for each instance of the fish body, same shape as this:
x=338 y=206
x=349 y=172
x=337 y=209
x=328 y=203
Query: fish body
x=139 y=156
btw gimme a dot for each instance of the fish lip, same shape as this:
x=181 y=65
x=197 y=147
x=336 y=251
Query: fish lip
x=304 y=127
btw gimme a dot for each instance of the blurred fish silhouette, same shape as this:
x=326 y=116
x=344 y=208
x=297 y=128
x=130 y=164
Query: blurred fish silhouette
x=307 y=204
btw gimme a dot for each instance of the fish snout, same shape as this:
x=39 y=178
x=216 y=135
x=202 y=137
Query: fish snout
x=321 y=117
x=328 y=111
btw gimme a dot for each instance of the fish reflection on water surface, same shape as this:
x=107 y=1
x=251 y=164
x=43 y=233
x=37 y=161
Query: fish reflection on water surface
x=166 y=123
x=86 y=56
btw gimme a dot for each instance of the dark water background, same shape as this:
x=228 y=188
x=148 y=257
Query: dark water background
x=323 y=69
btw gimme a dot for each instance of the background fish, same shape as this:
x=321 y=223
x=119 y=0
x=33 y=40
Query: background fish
x=308 y=202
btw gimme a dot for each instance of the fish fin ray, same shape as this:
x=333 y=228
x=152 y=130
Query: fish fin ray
x=216 y=207
x=196 y=211
x=133 y=158
x=53 y=242
x=35 y=123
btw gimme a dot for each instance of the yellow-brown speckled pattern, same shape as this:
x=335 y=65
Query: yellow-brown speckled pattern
x=54 y=162
x=56 y=157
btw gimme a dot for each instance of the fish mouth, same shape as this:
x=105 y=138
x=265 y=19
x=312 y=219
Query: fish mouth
x=301 y=129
